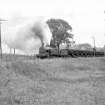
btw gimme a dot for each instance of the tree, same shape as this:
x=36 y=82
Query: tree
x=69 y=43
x=84 y=46
x=60 y=31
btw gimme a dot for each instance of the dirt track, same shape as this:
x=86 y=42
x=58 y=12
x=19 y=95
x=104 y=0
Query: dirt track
x=71 y=81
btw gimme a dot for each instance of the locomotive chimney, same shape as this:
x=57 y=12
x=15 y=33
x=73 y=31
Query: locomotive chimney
x=42 y=44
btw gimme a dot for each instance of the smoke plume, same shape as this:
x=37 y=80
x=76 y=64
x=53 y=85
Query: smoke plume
x=29 y=36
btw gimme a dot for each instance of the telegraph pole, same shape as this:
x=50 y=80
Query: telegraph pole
x=14 y=51
x=94 y=48
x=104 y=34
x=0 y=38
x=94 y=42
x=0 y=42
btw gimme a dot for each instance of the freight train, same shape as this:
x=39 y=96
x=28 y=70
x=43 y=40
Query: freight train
x=48 y=52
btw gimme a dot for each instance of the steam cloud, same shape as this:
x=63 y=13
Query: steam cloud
x=29 y=36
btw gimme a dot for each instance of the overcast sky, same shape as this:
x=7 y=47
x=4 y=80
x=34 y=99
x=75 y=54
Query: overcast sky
x=85 y=16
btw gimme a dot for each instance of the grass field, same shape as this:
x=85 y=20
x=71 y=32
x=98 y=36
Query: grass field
x=62 y=81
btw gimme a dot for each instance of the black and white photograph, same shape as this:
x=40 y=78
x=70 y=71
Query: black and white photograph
x=52 y=52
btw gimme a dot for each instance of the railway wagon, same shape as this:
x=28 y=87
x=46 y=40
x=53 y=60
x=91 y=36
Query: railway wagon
x=80 y=53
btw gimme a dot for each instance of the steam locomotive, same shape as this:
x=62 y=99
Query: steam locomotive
x=48 y=52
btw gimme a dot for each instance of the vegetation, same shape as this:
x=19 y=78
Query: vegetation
x=71 y=81
x=60 y=32
x=84 y=46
